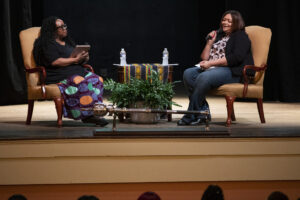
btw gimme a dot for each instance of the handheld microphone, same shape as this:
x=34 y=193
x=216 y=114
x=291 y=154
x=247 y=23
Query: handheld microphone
x=208 y=37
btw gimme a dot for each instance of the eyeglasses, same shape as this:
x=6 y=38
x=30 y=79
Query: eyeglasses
x=64 y=26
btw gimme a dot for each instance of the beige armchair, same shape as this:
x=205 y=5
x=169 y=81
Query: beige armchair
x=253 y=89
x=36 y=75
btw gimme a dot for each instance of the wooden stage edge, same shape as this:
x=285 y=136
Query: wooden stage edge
x=146 y=160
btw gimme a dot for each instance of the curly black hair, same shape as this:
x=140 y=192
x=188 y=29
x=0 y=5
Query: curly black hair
x=47 y=34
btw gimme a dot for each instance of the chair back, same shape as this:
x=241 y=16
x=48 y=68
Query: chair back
x=27 y=38
x=260 y=42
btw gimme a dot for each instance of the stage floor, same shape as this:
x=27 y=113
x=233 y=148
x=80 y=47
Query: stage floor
x=282 y=120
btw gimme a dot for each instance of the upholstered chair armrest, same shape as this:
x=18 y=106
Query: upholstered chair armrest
x=43 y=77
x=246 y=77
x=89 y=67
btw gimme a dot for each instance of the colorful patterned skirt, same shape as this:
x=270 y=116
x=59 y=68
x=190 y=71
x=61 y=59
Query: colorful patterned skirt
x=80 y=92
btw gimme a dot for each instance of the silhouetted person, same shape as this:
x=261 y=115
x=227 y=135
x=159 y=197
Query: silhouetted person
x=86 y=197
x=213 y=192
x=149 y=196
x=277 y=196
x=17 y=197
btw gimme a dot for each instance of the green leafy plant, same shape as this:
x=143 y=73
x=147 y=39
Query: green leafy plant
x=153 y=92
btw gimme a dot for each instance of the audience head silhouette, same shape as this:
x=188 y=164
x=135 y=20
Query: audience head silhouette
x=213 y=192
x=17 y=197
x=149 y=196
x=277 y=196
x=86 y=197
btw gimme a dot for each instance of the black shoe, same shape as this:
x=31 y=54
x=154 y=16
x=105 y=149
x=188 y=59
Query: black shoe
x=101 y=122
x=200 y=121
x=197 y=122
x=95 y=120
x=183 y=123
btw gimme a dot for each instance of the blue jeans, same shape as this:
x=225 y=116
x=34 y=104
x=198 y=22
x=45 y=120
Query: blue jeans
x=198 y=82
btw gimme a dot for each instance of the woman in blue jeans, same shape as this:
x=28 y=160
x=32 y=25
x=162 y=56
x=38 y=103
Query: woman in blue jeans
x=225 y=54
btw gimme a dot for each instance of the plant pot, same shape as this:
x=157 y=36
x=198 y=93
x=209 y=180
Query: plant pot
x=143 y=118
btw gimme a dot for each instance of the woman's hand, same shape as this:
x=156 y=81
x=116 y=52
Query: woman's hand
x=205 y=64
x=213 y=36
x=209 y=43
x=82 y=57
x=86 y=59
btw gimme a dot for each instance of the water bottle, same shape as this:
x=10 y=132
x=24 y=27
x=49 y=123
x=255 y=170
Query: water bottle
x=123 y=57
x=165 y=57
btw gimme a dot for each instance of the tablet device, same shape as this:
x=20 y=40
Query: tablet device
x=80 y=48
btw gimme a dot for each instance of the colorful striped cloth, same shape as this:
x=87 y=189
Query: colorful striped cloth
x=142 y=71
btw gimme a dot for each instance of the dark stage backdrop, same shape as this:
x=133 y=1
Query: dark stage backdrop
x=144 y=28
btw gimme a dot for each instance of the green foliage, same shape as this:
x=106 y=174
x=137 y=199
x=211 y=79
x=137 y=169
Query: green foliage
x=153 y=92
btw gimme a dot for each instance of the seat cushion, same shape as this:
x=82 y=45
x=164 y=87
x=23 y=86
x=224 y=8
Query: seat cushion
x=52 y=91
x=236 y=89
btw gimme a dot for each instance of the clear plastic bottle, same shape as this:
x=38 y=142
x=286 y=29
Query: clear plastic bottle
x=123 y=57
x=165 y=57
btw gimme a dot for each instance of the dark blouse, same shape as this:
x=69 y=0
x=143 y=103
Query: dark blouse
x=51 y=52
x=238 y=53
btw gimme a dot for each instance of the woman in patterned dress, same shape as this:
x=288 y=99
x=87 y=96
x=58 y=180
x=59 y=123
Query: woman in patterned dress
x=79 y=87
x=225 y=54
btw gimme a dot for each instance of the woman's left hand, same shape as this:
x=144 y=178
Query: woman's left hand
x=87 y=58
x=205 y=64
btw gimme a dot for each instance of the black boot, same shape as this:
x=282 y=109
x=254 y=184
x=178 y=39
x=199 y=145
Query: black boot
x=95 y=120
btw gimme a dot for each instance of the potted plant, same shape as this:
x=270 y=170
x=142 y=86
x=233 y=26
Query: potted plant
x=150 y=93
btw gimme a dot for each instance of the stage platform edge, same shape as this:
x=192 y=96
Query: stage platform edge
x=76 y=161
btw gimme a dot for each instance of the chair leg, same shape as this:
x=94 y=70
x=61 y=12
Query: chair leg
x=169 y=115
x=261 y=110
x=58 y=105
x=121 y=117
x=229 y=102
x=30 y=110
x=232 y=114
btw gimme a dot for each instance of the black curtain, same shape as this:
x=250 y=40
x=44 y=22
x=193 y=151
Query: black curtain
x=144 y=28
x=15 y=16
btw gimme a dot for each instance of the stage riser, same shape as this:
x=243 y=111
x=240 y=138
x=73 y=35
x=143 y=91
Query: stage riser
x=148 y=160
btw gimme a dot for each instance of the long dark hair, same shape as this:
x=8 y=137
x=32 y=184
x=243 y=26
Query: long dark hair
x=237 y=20
x=47 y=35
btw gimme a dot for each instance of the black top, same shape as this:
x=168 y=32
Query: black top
x=238 y=53
x=51 y=52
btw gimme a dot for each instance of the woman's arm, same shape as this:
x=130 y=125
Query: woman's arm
x=69 y=61
x=219 y=62
x=206 y=50
x=209 y=43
